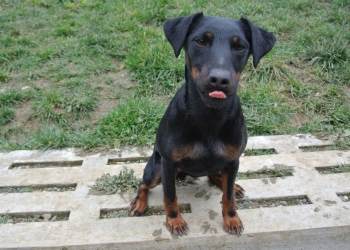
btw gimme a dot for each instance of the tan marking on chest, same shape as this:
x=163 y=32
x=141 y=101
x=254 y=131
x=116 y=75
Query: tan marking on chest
x=188 y=151
x=197 y=150
x=230 y=152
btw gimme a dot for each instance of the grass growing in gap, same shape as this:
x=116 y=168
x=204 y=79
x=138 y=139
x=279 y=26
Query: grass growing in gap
x=119 y=213
x=125 y=181
x=33 y=217
x=4 y=218
x=343 y=168
x=278 y=171
x=57 y=56
x=255 y=152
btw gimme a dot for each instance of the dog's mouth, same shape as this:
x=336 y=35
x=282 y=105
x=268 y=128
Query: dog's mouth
x=217 y=94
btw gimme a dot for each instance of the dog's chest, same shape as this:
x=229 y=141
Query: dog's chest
x=200 y=159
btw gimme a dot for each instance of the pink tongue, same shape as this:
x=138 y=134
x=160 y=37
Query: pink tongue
x=217 y=94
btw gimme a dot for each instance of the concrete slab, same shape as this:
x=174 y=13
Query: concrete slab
x=322 y=224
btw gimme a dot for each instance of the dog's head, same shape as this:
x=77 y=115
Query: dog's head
x=217 y=50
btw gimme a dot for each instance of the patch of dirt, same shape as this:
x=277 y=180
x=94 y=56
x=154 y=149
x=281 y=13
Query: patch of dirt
x=111 y=88
x=11 y=84
x=41 y=84
x=23 y=117
x=304 y=75
x=297 y=120
x=346 y=92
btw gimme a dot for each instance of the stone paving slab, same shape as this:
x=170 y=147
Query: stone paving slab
x=323 y=223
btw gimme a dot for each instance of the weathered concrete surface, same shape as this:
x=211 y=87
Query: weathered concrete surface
x=324 y=224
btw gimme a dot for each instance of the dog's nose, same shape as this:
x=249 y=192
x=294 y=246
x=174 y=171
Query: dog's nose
x=219 y=78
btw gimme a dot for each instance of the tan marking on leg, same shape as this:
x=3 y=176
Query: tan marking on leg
x=139 y=204
x=238 y=191
x=156 y=181
x=232 y=223
x=216 y=179
x=174 y=221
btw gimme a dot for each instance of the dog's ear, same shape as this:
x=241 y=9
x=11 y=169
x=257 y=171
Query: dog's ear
x=176 y=30
x=261 y=41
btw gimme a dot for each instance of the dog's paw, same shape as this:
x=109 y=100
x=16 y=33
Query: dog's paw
x=176 y=225
x=137 y=206
x=233 y=225
x=238 y=191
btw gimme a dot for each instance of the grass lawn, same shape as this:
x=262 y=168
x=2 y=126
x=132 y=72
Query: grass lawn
x=100 y=73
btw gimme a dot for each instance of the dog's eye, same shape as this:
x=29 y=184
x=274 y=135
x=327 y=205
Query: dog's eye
x=201 y=42
x=238 y=47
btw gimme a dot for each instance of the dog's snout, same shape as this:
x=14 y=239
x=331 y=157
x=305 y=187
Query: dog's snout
x=219 y=78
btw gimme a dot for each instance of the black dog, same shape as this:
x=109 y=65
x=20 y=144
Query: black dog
x=202 y=131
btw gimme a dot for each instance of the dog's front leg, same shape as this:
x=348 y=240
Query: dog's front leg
x=232 y=223
x=174 y=221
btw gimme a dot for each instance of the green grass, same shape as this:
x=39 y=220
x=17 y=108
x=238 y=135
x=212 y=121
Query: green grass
x=255 y=152
x=342 y=168
x=6 y=115
x=278 y=171
x=61 y=59
x=4 y=218
x=124 y=181
x=133 y=122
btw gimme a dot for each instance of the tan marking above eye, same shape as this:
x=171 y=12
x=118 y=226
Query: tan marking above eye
x=235 y=39
x=208 y=35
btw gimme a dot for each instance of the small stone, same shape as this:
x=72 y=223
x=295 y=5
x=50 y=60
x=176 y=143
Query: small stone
x=284 y=203
x=189 y=180
x=46 y=217
x=25 y=88
x=273 y=205
x=345 y=198
x=53 y=218
x=246 y=204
